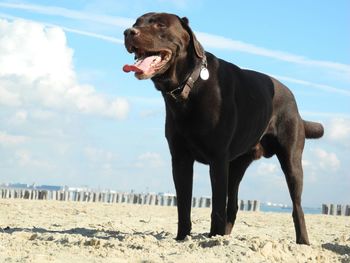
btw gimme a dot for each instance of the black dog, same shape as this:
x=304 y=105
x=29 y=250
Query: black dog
x=220 y=115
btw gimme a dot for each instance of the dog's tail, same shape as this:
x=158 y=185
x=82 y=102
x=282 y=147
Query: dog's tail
x=313 y=130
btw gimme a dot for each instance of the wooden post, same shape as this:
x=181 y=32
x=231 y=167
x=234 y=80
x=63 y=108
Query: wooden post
x=241 y=207
x=147 y=199
x=139 y=199
x=194 y=202
x=134 y=199
x=153 y=199
x=347 y=210
x=174 y=200
x=208 y=202
x=332 y=210
x=256 y=206
x=118 y=198
x=40 y=195
x=169 y=201
x=325 y=209
x=125 y=198
x=103 y=197
x=7 y=193
x=91 y=197
x=339 y=210
x=121 y=198
x=250 y=205
x=12 y=193
x=49 y=195
x=71 y=195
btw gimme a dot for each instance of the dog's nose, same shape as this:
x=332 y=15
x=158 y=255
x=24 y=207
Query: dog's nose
x=131 y=32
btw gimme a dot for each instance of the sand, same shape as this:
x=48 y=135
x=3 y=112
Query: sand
x=53 y=231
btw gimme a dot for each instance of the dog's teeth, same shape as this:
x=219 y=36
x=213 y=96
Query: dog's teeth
x=155 y=61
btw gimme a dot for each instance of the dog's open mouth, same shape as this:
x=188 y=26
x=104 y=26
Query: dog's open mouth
x=148 y=63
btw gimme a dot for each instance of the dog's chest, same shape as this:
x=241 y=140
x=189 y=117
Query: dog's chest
x=201 y=137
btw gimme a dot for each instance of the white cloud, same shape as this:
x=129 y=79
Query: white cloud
x=33 y=51
x=220 y=42
x=19 y=117
x=24 y=158
x=326 y=160
x=42 y=115
x=99 y=155
x=339 y=130
x=36 y=69
x=318 y=86
x=267 y=168
x=7 y=97
x=149 y=160
x=9 y=139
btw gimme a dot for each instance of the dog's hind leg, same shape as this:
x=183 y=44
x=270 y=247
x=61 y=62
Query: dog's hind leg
x=291 y=141
x=236 y=171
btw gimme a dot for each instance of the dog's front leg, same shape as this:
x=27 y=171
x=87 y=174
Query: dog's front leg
x=219 y=178
x=183 y=179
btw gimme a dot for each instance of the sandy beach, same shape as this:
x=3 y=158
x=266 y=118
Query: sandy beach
x=53 y=231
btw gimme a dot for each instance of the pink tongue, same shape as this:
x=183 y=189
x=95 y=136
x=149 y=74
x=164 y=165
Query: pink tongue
x=141 y=66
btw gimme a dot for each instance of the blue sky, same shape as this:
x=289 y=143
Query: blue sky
x=70 y=116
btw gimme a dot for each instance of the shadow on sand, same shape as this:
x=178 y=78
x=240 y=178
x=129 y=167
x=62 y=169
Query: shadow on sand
x=86 y=232
x=336 y=248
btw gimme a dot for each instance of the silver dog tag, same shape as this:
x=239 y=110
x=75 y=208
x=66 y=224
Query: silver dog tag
x=204 y=73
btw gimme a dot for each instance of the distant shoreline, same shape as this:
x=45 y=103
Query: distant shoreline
x=307 y=210
x=109 y=196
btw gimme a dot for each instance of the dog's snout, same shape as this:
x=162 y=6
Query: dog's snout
x=131 y=32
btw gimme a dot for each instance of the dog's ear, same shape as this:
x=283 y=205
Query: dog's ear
x=199 y=50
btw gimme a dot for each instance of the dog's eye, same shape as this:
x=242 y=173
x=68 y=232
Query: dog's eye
x=160 y=25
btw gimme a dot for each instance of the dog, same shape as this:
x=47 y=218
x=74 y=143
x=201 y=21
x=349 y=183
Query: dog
x=220 y=115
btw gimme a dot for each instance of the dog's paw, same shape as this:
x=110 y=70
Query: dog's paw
x=182 y=236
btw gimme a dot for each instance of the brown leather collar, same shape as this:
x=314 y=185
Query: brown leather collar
x=181 y=93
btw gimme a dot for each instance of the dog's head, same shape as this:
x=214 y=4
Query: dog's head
x=159 y=41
